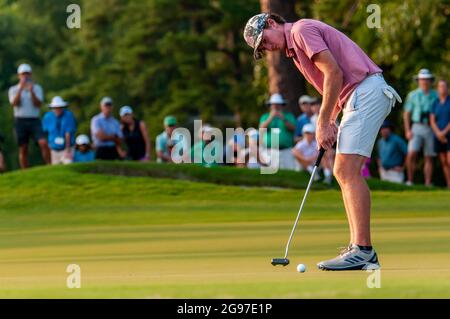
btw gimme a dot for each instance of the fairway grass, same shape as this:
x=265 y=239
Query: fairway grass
x=139 y=237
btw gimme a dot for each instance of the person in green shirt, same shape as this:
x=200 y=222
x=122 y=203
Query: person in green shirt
x=198 y=155
x=278 y=121
x=418 y=132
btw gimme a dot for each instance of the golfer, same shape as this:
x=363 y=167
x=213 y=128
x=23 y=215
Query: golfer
x=349 y=82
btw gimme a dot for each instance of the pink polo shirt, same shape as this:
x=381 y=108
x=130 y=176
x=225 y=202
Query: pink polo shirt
x=307 y=37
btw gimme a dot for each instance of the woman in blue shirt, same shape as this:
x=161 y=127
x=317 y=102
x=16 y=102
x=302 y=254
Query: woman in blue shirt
x=440 y=123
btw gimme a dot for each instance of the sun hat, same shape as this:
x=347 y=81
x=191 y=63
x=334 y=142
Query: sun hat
x=82 y=139
x=125 y=110
x=308 y=128
x=424 y=74
x=24 y=68
x=58 y=102
x=253 y=33
x=276 y=98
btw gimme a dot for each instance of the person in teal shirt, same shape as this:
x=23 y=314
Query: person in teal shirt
x=418 y=132
x=278 y=121
x=198 y=154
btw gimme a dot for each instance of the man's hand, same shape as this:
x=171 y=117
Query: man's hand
x=441 y=137
x=326 y=134
x=408 y=135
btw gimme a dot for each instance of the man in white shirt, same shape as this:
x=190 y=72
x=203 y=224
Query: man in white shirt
x=26 y=97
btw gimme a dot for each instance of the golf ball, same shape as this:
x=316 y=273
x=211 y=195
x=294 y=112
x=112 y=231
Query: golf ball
x=301 y=268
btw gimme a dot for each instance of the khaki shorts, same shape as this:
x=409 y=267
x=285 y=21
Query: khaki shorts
x=364 y=112
x=59 y=158
x=422 y=138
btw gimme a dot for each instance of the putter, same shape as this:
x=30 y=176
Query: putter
x=285 y=261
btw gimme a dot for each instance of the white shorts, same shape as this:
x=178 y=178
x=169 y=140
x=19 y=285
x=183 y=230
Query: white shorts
x=364 y=112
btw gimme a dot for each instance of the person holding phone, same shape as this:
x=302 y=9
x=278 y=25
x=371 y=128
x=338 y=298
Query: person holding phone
x=26 y=97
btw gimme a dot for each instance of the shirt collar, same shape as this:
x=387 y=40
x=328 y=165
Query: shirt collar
x=287 y=35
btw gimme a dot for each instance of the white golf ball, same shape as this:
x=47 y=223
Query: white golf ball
x=301 y=268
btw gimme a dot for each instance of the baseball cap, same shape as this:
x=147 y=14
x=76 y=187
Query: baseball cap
x=57 y=102
x=124 y=110
x=305 y=99
x=106 y=100
x=253 y=33
x=82 y=140
x=24 y=68
x=387 y=124
x=308 y=128
x=170 y=121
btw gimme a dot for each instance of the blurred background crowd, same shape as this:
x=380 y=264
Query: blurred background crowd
x=171 y=62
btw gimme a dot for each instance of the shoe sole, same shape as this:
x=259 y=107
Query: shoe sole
x=365 y=266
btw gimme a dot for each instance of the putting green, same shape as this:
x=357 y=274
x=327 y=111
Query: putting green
x=145 y=238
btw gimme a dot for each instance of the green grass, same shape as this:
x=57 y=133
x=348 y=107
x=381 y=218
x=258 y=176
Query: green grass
x=139 y=237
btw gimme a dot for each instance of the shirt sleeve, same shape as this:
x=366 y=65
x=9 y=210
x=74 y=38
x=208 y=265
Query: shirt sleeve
x=45 y=122
x=119 y=132
x=308 y=37
x=37 y=89
x=70 y=124
x=433 y=107
x=263 y=118
x=94 y=127
x=12 y=94
x=409 y=103
x=158 y=144
x=291 y=118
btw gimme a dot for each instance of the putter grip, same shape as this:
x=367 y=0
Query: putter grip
x=319 y=158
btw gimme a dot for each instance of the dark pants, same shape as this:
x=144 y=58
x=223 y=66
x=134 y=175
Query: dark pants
x=106 y=153
x=28 y=128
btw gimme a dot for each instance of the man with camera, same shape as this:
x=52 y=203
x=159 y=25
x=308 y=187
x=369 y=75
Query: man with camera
x=26 y=97
x=417 y=126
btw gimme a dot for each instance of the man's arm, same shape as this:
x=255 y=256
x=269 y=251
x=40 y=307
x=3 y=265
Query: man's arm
x=36 y=100
x=15 y=99
x=333 y=80
x=144 y=133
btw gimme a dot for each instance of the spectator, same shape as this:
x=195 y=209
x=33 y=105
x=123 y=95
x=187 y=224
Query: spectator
x=280 y=123
x=252 y=155
x=60 y=125
x=235 y=149
x=165 y=141
x=306 y=152
x=106 y=133
x=83 y=150
x=26 y=97
x=440 y=123
x=198 y=149
x=417 y=129
x=135 y=135
x=315 y=109
x=392 y=151
x=304 y=103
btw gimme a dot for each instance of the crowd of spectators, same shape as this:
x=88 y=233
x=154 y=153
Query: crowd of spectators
x=426 y=120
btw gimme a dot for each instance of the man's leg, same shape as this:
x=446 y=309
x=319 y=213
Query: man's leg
x=23 y=156
x=428 y=170
x=445 y=161
x=347 y=170
x=45 y=151
x=411 y=165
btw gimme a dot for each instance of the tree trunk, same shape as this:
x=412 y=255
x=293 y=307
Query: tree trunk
x=284 y=77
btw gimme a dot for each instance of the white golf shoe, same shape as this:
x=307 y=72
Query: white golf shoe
x=352 y=258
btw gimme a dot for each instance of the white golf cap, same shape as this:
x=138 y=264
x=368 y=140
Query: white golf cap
x=82 y=140
x=57 y=102
x=305 y=99
x=106 y=100
x=24 y=68
x=207 y=128
x=424 y=74
x=276 y=98
x=125 y=110
x=308 y=128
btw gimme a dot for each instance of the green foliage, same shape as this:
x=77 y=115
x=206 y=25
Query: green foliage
x=187 y=57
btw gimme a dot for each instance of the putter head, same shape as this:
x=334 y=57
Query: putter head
x=280 y=261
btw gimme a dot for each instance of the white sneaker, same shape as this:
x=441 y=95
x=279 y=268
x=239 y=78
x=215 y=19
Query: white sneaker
x=352 y=258
x=409 y=183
